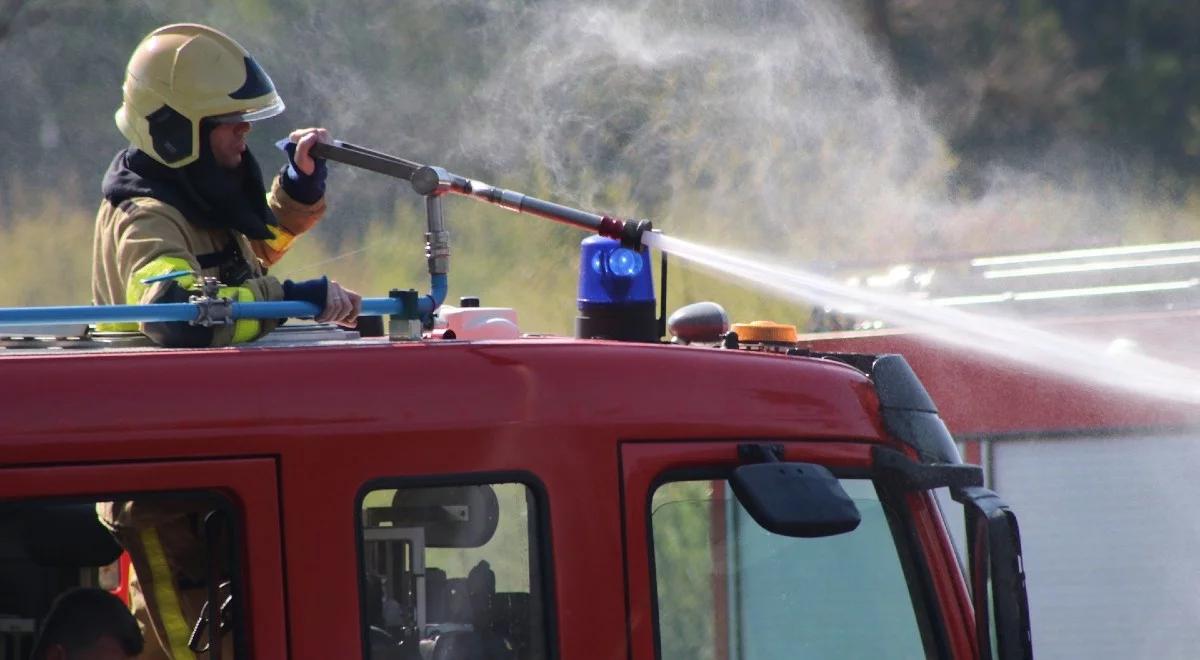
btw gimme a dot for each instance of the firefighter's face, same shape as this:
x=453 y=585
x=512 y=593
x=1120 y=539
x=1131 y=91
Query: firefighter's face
x=228 y=141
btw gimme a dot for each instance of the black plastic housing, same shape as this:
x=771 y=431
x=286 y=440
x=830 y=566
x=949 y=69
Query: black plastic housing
x=620 y=322
x=801 y=500
x=909 y=412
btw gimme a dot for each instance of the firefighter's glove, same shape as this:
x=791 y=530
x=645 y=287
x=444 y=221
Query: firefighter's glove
x=303 y=178
x=311 y=291
x=342 y=306
x=337 y=304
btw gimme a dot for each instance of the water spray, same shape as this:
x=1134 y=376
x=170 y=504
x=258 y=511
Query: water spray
x=1003 y=338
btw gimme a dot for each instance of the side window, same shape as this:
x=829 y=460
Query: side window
x=727 y=588
x=452 y=571
x=84 y=574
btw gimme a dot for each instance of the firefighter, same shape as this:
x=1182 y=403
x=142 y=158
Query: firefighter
x=187 y=200
x=171 y=552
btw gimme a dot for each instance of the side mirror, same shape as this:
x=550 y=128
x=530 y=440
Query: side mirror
x=795 y=499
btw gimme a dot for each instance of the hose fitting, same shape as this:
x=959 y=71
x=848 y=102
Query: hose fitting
x=629 y=232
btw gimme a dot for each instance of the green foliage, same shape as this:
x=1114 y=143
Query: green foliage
x=1148 y=51
x=685 y=573
x=1122 y=74
x=46 y=256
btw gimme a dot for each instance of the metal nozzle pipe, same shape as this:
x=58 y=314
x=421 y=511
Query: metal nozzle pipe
x=437 y=181
x=432 y=181
x=437 y=239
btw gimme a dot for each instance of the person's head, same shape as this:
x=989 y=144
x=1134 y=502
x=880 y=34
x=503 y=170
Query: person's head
x=184 y=77
x=88 y=624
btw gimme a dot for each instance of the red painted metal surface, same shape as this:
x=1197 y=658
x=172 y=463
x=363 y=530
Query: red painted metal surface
x=953 y=599
x=972 y=452
x=124 y=572
x=980 y=395
x=315 y=424
x=109 y=405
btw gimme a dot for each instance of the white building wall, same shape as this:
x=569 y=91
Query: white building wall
x=1111 y=532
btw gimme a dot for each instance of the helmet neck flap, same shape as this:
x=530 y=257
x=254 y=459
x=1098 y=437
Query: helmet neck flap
x=207 y=194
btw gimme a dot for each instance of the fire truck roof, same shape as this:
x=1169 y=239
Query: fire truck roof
x=524 y=392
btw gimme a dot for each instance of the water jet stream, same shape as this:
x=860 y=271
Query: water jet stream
x=1068 y=356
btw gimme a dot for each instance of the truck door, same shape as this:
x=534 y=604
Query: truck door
x=51 y=541
x=706 y=581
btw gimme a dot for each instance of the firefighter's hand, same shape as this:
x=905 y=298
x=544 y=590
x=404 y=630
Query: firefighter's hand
x=305 y=138
x=342 y=306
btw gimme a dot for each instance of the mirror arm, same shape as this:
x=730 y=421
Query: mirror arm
x=762 y=452
x=894 y=467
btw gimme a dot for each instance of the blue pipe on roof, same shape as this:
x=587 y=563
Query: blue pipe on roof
x=427 y=305
x=439 y=287
x=179 y=312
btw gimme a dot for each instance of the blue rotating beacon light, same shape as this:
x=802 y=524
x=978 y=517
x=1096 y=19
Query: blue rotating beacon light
x=616 y=292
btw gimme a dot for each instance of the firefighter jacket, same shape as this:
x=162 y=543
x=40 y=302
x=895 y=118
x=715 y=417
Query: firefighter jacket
x=172 y=562
x=142 y=238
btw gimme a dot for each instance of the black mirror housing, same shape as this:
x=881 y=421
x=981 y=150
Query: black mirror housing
x=801 y=500
x=997 y=575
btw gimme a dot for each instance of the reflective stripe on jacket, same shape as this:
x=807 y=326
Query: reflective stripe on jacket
x=168 y=552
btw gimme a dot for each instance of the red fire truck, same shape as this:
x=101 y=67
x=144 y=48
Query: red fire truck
x=468 y=491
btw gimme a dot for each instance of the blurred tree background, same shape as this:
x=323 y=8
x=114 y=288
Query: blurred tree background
x=812 y=133
x=1015 y=78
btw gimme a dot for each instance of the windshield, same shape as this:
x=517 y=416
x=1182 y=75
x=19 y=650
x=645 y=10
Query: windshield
x=728 y=589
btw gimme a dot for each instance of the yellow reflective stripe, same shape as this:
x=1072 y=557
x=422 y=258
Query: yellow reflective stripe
x=165 y=597
x=117 y=327
x=244 y=330
x=134 y=289
x=281 y=239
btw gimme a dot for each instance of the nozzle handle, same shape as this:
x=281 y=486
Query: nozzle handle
x=352 y=154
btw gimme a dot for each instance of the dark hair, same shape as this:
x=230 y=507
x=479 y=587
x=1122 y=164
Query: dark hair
x=80 y=617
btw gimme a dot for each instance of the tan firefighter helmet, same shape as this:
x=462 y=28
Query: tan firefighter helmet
x=180 y=74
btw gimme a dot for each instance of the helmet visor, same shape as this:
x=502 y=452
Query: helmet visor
x=249 y=115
